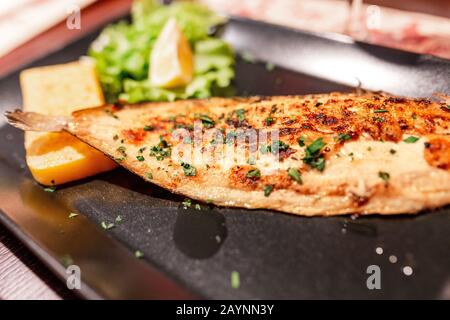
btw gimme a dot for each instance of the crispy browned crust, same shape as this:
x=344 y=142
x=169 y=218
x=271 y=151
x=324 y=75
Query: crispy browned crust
x=339 y=119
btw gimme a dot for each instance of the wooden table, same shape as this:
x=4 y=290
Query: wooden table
x=22 y=276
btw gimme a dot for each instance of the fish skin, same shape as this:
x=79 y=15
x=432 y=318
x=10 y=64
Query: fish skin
x=369 y=168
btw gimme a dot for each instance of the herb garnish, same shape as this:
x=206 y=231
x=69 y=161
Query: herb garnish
x=268 y=190
x=318 y=104
x=380 y=111
x=384 y=176
x=295 y=175
x=189 y=170
x=140 y=158
x=253 y=174
x=206 y=120
x=269 y=121
x=186 y=203
x=107 y=225
x=149 y=176
x=50 y=189
x=115 y=137
x=273 y=109
x=342 y=137
x=66 y=260
x=240 y=113
x=110 y=113
x=235 y=280
x=301 y=141
x=122 y=151
x=161 y=150
x=274 y=148
x=313 y=156
x=411 y=139
x=393 y=151
x=148 y=128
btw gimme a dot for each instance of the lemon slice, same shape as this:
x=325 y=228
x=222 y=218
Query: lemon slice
x=171 y=61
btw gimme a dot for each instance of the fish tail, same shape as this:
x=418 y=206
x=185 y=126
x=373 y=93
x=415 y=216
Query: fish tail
x=31 y=121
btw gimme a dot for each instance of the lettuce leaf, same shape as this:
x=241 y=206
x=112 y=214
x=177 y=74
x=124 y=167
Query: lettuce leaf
x=122 y=52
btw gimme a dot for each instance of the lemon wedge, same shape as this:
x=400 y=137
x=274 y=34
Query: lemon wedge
x=171 y=60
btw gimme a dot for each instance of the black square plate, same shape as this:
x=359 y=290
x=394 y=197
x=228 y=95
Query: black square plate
x=192 y=253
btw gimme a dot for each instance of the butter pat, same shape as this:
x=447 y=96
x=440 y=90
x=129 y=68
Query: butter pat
x=57 y=158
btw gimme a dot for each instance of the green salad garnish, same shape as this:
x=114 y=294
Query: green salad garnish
x=122 y=54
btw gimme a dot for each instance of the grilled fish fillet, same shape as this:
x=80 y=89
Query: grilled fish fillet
x=311 y=155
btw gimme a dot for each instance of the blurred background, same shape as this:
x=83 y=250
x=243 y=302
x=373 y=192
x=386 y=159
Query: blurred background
x=415 y=25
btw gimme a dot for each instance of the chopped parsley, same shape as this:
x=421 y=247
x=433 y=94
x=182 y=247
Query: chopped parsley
x=50 y=189
x=142 y=149
x=273 y=109
x=264 y=149
x=140 y=158
x=269 y=121
x=161 y=150
x=122 y=151
x=274 y=148
x=378 y=119
x=240 y=113
x=411 y=139
x=188 y=140
x=66 y=260
x=119 y=159
x=189 y=170
x=253 y=174
x=301 y=141
x=268 y=190
x=206 y=120
x=148 y=128
x=295 y=175
x=73 y=215
x=318 y=104
x=384 y=176
x=235 y=280
x=380 y=111
x=110 y=113
x=149 y=176
x=342 y=137
x=230 y=137
x=187 y=203
x=138 y=254
x=107 y=225
x=278 y=146
x=314 y=156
